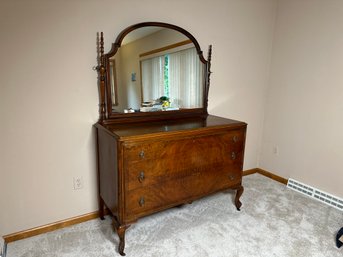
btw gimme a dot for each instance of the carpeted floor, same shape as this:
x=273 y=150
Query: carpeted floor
x=273 y=221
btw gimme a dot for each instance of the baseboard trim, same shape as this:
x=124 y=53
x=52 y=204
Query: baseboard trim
x=250 y=172
x=93 y=215
x=50 y=227
x=267 y=174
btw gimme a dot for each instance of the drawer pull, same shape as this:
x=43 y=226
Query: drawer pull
x=235 y=139
x=141 y=202
x=231 y=177
x=141 y=177
x=233 y=156
x=141 y=154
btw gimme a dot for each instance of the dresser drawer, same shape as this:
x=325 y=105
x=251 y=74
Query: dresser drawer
x=181 y=157
x=193 y=184
x=230 y=140
x=142 y=174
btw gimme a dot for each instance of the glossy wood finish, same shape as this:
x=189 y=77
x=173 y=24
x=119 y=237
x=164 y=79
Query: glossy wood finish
x=148 y=167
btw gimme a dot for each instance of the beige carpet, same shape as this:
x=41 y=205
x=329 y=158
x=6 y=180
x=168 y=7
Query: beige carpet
x=273 y=221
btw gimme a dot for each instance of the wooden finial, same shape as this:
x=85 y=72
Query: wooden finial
x=209 y=56
x=208 y=69
x=102 y=74
x=101 y=44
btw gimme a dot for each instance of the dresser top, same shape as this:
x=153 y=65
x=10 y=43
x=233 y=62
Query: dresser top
x=211 y=122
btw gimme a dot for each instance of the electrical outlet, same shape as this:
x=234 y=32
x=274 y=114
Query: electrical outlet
x=276 y=150
x=78 y=183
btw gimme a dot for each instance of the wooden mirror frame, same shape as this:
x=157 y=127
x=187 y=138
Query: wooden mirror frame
x=107 y=115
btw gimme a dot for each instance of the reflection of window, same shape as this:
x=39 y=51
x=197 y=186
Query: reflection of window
x=177 y=75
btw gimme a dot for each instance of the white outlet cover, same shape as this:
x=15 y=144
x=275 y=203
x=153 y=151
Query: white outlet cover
x=78 y=183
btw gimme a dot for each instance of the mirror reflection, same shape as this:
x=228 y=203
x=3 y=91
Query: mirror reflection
x=156 y=69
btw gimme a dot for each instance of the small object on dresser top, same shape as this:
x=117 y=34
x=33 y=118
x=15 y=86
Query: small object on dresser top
x=147 y=104
x=130 y=110
x=158 y=108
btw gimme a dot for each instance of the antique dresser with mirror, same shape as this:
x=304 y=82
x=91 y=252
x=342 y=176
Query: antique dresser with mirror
x=157 y=145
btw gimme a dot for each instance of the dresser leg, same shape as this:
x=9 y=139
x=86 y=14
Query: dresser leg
x=121 y=234
x=239 y=192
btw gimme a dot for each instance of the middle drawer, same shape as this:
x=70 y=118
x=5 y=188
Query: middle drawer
x=147 y=173
x=148 y=199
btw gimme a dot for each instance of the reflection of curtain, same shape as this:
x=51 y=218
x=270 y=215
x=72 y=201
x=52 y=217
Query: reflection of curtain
x=185 y=79
x=152 y=78
x=113 y=81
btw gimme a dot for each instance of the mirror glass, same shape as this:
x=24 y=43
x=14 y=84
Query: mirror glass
x=156 y=69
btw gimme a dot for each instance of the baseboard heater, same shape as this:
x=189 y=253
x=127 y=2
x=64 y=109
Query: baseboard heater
x=315 y=193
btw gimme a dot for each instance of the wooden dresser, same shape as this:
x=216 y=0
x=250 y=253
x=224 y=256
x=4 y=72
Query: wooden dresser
x=145 y=168
x=170 y=155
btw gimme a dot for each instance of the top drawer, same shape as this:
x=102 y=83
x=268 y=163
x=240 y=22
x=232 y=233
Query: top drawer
x=219 y=144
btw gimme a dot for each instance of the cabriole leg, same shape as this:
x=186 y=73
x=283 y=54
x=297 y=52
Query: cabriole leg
x=239 y=192
x=121 y=234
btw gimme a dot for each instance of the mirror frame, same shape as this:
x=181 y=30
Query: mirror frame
x=106 y=113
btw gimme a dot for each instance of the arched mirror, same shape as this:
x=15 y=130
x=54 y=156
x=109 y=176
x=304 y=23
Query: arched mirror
x=154 y=69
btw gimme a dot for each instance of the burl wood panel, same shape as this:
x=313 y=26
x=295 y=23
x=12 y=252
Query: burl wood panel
x=155 y=162
x=189 y=186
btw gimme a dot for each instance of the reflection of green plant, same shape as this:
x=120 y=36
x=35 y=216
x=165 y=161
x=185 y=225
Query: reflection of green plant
x=164 y=98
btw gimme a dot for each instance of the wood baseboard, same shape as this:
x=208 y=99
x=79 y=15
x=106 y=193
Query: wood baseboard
x=93 y=215
x=267 y=174
x=50 y=227
x=249 y=172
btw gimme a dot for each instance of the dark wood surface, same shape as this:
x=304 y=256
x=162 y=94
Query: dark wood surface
x=154 y=128
x=149 y=167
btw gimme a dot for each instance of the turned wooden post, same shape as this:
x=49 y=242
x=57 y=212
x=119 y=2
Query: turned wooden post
x=102 y=73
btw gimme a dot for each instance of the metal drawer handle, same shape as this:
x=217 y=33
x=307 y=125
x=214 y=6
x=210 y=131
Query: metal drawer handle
x=235 y=139
x=141 y=154
x=141 y=202
x=231 y=177
x=141 y=177
x=233 y=155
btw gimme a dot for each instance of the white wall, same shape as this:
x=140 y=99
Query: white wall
x=49 y=98
x=305 y=101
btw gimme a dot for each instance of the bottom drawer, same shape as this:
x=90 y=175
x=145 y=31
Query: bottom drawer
x=145 y=200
